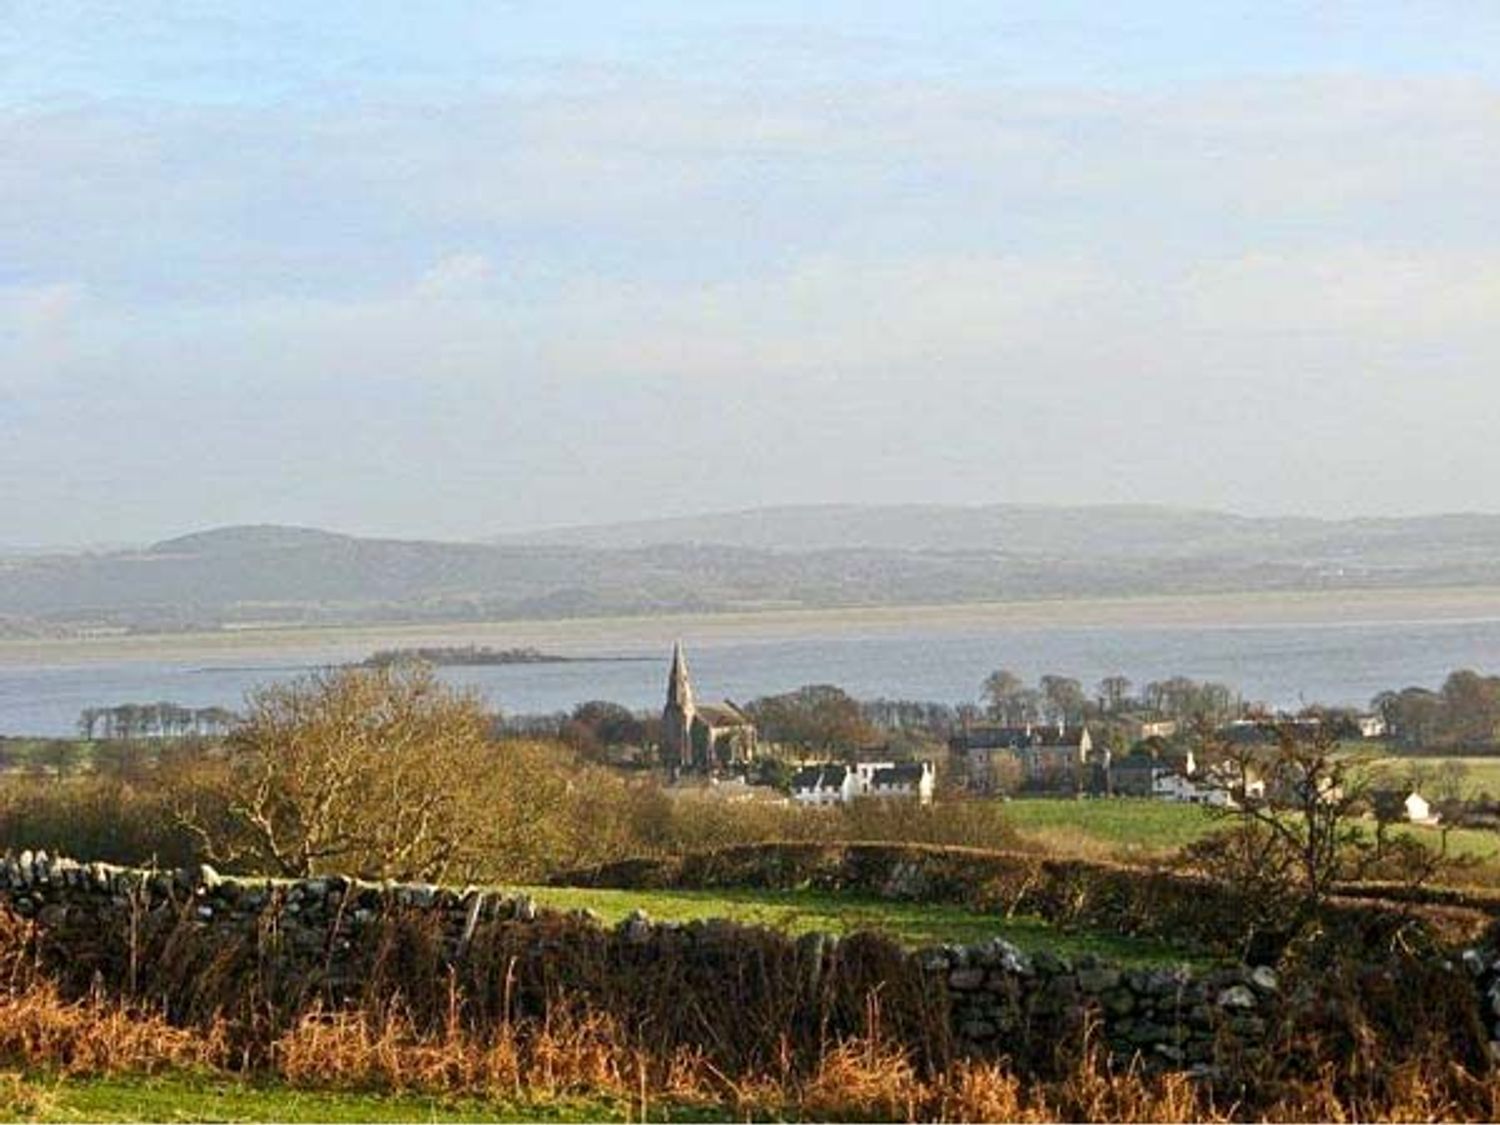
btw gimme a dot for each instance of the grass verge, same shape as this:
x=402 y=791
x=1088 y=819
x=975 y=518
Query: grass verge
x=206 y=1097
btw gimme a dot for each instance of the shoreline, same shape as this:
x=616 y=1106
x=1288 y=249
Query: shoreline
x=631 y=636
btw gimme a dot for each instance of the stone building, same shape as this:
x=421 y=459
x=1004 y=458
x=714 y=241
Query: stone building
x=702 y=737
x=1052 y=759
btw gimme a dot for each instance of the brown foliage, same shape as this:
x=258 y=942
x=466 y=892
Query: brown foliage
x=863 y=1077
x=99 y=817
x=358 y=769
x=40 y=1030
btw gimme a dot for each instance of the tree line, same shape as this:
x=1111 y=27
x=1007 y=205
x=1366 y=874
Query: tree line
x=152 y=720
x=390 y=773
x=1463 y=713
x=1063 y=699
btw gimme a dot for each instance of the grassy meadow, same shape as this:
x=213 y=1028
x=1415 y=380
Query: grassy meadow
x=1123 y=829
x=797 y=912
x=208 y=1096
x=1481 y=774
x=1136 y=830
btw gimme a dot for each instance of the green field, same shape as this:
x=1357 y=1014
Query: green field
x=1462 y=843
x=797 y=912
x=1481 y=774
x=1122 y=828
x=1128 y=829
x=190 y=1097
x=21 y=753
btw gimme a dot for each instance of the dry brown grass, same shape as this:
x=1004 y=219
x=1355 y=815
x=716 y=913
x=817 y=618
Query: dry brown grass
x=40 y=1030
x=586 y=1056
x=978 y=1091
x=552 y=1059
x=1069 y=843
x=862 y=1079
x=639 y=1031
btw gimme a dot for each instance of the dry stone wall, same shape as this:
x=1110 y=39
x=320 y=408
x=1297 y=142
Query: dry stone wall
x=162 y=933
x=1002 y=998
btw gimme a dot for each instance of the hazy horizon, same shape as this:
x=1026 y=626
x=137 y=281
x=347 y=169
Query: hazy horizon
x=538 y=532
x=459 y=270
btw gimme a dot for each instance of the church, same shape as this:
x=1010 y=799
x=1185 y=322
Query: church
x=702 y=737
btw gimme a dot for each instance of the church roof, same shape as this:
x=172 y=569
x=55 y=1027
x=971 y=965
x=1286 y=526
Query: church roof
x=722 y=713
x=679 y=687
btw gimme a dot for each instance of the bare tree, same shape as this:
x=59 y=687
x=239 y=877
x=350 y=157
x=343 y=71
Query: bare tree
x=1296 y=806
x=364 y=770
x=1063 y=698
x=1004 y=692
x=88 y=721
x=1113 y=692
x=1450 y=780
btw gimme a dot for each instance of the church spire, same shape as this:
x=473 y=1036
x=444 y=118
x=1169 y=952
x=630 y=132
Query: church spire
x=679 y=687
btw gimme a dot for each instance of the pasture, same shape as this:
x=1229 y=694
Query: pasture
x=1480 y=775
x=798 y=912
x=1137 y=830
x=1116 y=828
x=222 y=1097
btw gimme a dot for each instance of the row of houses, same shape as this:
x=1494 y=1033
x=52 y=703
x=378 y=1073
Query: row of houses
x=834 y=783
x=1065 y=760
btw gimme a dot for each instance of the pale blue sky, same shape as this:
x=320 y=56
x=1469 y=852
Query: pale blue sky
x=452 y=269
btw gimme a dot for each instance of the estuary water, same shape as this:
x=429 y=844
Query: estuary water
x=1334 y=662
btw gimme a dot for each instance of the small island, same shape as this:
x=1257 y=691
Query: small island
x=469 y=656
x=460 y=656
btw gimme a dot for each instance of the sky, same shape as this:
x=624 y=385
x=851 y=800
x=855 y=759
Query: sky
x=453 y=269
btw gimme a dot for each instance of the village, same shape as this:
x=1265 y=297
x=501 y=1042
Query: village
x=714 y=748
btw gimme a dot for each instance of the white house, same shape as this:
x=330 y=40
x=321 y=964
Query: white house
x=832 y=784
x=1139 y=726
x=863 y=774
x=1221 y=786
x=823 y=785
x=907 y=780
x=1172 y=786
x=1169 y=785
x=1418 y=810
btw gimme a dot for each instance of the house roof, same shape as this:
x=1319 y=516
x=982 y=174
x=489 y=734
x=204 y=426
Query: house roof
x=1018 y=738
x=907 y=773
x=811 y=778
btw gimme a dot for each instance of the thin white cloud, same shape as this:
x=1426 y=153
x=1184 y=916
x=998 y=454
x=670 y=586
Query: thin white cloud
x=944 y=270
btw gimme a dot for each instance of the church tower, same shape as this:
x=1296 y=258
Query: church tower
x=677 y=715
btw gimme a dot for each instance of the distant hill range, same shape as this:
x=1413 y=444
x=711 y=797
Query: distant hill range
x=815 y=556
x=1106 y=530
